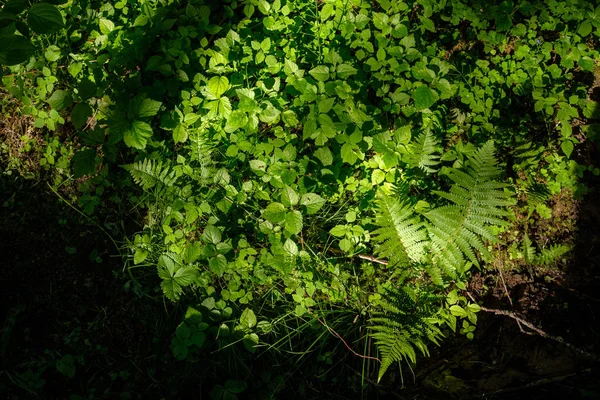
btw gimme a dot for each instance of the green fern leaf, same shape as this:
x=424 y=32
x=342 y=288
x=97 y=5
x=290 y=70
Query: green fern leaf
x=402 y=327
x=151 y=173
x=551 y=254
x=424 y=153
x=400 y=237
x=528 y=250
x=458 y=231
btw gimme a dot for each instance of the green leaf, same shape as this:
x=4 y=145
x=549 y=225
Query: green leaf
x=250 y=343
x=248 y=319
x=458 y=311
x=80 y=114
x=424 y=97
x=258 y=167
x=66 y=366
x=324 y=155
x=211 y=234
x=137 y=135
x=86 y=89
x=15 y=6
x=52 y=53
x=60 y=100
x=274 y=212
x=192 y=252
x=106 y=26
x=148 y=108
x=313 y=202
x=345 y=71
x=293 y=222
x=15 y=49
x=180 y=133
x=218 y=85
x=139 y=256
x=585 y=28
x=338 y=231
x=45 y=18
x=289 y=197
x=84 y=162
x=567 y=147
x=320 y=73
x=218 y=264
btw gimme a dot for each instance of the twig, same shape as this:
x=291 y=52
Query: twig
x=337 y=335
x=538 y=330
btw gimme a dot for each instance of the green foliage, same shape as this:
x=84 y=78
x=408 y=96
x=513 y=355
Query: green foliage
x=279 y=144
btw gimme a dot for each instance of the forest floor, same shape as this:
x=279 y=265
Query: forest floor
x=72 y=322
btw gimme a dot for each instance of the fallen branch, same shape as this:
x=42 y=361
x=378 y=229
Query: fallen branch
x=537 y=330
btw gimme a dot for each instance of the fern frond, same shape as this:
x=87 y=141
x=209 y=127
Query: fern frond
x=424 y=153
x=528 y=250
x=551 y=254
x=400 y=237
x=457 y=231
x=402 y=327
x=151 y=173
x=201 y=151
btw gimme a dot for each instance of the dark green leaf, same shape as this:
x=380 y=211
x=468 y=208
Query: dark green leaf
x=84 y=162
x=45 y=18
x=15 y=49
x=60 y=100
x=80 y=114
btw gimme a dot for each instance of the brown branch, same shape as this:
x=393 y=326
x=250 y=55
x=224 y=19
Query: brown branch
x=337 y=335
x=537 y=330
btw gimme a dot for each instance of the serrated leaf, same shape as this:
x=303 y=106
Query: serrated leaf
x=424 y=97
x=192 y=252
x=293 y=222
x=180 y=133
x=211 y=234
x=84 y=162
x=15 y=49
x=218 y=264
x=289 y=197
x=218 y=85
x=324 y=155
x=106 y=26
x=137 y=135
x=148 y=108
x=45 y=18
x=80 y=114
x=274 y=212
x=313 y=202
x=52 y=53
x=345 y=71
x=60 y=100
x=320 y=73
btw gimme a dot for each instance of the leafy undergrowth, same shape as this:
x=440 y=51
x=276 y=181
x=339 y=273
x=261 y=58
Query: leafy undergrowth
x=309 y=195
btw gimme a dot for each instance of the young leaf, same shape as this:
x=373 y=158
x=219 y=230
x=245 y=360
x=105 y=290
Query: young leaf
x=217 y=85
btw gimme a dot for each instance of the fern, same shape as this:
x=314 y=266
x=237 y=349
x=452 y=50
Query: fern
x=546 y=256
x=401 y=328
x=400 y=237
x=424 y=153
x=151 y=173
x=458 y=230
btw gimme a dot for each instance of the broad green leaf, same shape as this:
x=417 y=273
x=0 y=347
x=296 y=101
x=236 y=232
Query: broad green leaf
x=293 y=222
x=248 y=319
x=218 y=264
x=180 y=133
x=236 y=120
x=348 y=153
x=320 y=73
x=52 y=53
x=84 y=162
x=274 y=212
x=148 y=108
x=291 y=247
x=289 y=118
x=140 y=256
x=211 y=234
x=15 y=6
x=218 y=85
x=106 y=26
x=289 y=197
x=166 y=267
x=345 y=71
x=338 y=231
x=86 y=89
x=585 y=28
x=45 y=18
x=185 y=275
x=424 y=97
x=137 y=135
x=60 y=100
x=324 y=155
x=251 y=342
x=567 y=147
x=192 y=252
x=80 y=114
x=326 y=104
x=313 y=202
